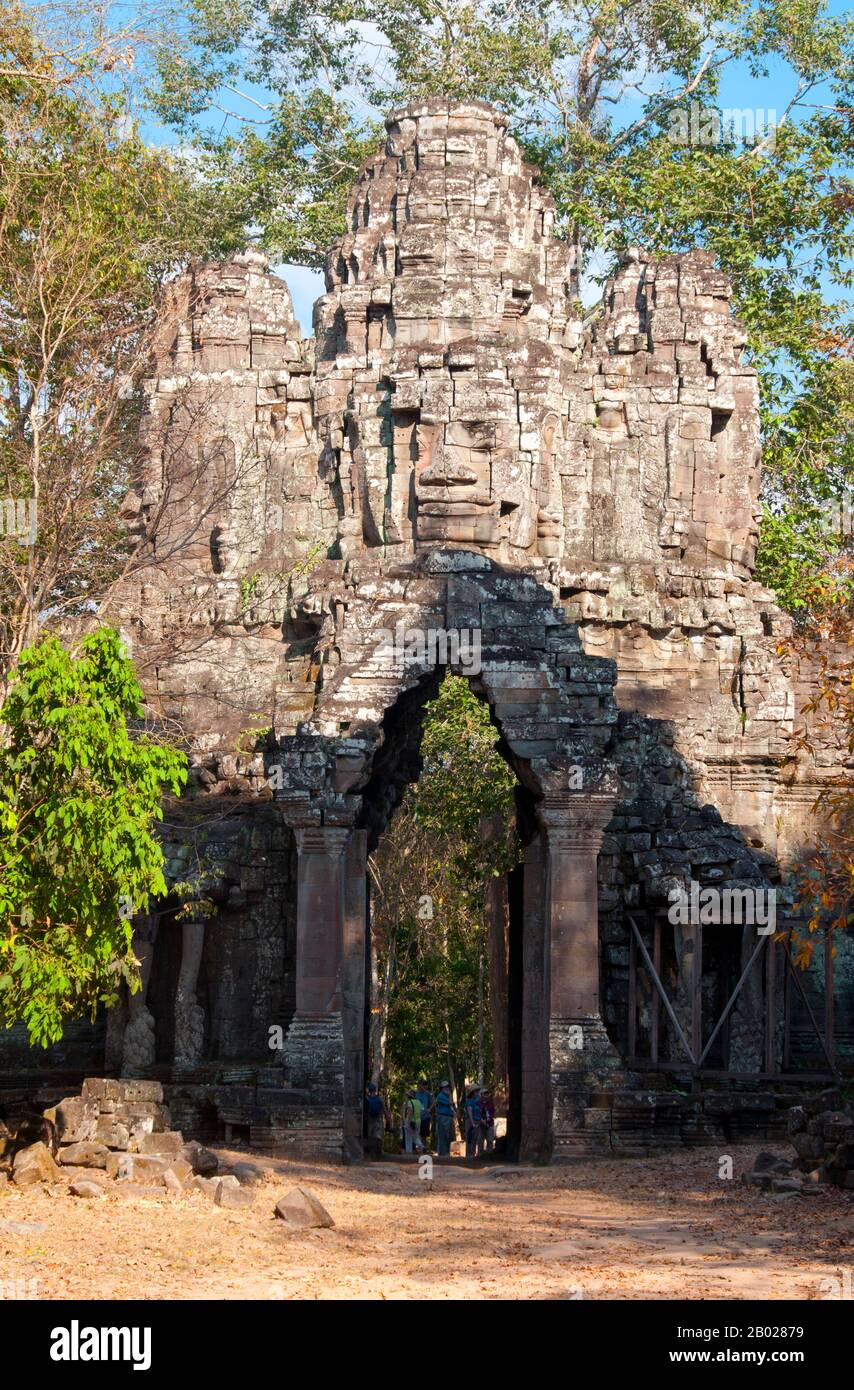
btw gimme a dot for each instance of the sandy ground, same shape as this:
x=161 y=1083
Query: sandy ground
x=661 y=1227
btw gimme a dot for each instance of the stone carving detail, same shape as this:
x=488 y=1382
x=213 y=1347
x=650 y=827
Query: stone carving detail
x=189 y=1015
x=138 y=1042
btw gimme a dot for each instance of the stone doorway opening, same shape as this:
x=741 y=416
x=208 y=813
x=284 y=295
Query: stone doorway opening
x=448 y=820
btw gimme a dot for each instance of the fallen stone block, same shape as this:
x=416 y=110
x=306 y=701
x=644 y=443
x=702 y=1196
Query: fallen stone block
x=202 y=1161
x=182 y=1170
x=144 y=1117
x=34 y=1164
x=132 y=1191
x=76 y=1120
x=86 y=1154
x=796 y=1120
x=808 y=1147
x=247 y=1174
x=206 y=1185
x=168 y=1143
x=761 y=1180
x=300 y=1208
x=141 y=1168
x=233 y=1198
x=87 y=1187
x=112 y=1132
x=766 y=1162
x=108 y=1088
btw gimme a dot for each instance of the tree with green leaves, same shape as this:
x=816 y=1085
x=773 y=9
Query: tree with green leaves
x=823 y=871
x=451 y=837
x=80 y=792
x=91 y=222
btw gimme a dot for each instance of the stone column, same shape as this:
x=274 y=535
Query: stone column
x=582 y=1056
x=189 y=1015
x=314 y=1047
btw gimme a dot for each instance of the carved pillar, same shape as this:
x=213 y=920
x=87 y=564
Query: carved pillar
x=189 y=1015
x=138 y=1041
x=582 y=1057
x=314 y=1048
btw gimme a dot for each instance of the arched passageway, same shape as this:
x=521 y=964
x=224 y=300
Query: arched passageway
x=555 y=711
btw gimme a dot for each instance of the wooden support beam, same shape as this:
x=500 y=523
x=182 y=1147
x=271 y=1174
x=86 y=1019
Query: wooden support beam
x=656 y=1001
x=770 y=1006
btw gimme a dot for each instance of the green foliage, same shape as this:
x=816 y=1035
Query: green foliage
x=464 y=782
x=80 y=790
x=809 y=506
x=452 y=833
x=92 y=220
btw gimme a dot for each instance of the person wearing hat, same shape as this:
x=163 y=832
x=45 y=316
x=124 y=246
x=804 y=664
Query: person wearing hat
x=377 y=1117
x=473 y=1130
x=443 y=1109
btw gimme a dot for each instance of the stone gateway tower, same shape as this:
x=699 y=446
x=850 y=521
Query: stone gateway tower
x=460 y=472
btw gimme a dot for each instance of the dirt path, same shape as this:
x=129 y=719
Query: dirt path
x=665 y=1227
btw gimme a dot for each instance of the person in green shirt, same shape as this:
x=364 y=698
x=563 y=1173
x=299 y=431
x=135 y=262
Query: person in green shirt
x=412 y=1122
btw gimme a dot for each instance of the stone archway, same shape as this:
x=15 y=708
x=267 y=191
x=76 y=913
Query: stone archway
x=555 y=709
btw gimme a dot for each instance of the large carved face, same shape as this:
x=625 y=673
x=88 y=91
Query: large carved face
x=477 y=460
x=470 y=480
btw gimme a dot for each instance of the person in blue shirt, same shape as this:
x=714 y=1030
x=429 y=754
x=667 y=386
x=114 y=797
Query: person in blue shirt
x=474 y=1136
x=443 y=1109
x=376 y=1117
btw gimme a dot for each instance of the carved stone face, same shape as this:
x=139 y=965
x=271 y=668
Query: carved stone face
x=473 y=484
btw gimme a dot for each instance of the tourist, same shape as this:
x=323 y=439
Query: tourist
x=443 y=1109
x=426 y=1100
x=377 y=1119
x=473 y=1131
x=487 y=1121
x=412 y=1122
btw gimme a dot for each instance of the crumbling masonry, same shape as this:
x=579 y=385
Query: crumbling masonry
x=456 y=448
